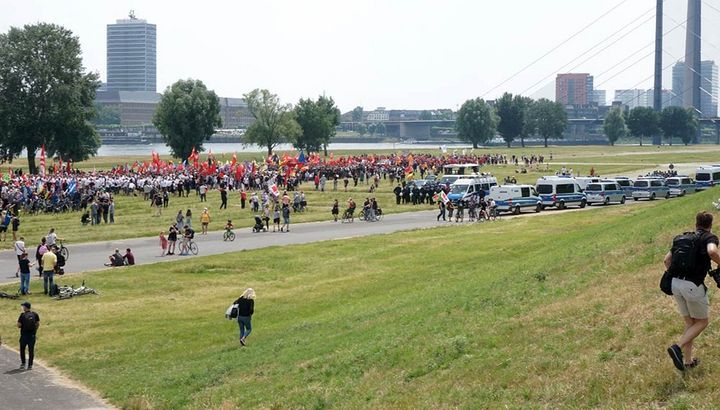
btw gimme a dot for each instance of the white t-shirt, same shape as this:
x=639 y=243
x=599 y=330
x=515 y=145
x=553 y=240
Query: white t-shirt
x=50 y=239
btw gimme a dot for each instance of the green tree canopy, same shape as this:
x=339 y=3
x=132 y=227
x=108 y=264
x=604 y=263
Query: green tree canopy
x=614 y=125
x=512 y=115
x=550 y=119
x=274 y=122
x=46 y=97
x=643 y=122
x=357 y=114
x=678 y=122
x=105 y=115
x=187 y=115
x=425 y=115
x=476 y=122
x=317 y=120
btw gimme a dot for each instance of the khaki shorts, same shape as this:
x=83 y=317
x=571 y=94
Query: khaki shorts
x=692 y=300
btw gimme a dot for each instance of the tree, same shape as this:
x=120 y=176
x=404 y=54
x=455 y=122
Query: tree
x=187 y=115
x=105 y=115
x=526 y=104
x=512 y=117
x=317 y=120
x=46 y=97
x=550 y=119
x=357 y=114
x=425 y=115
x=614 y=125
x=476 y=122
x=678 y=122
x=361 y=129
x=274 y=122
x=643 y=121
x=380 y=128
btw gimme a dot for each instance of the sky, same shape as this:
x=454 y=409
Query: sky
x=398 y=54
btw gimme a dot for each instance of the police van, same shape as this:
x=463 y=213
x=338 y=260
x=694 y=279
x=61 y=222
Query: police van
x=680 y=185
x=605 y=192
x=584 y=181
x=650 y=188
x=464 y=188
x=625 y=183
x=513 y=198
x=707 y=177
x=560 y=191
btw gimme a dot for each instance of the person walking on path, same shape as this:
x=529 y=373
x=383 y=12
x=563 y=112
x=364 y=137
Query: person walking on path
x=163 y=243
x=19 y=251
x=286 y=219
x=441 y=206
x=246 y=308
x=28 y=323
x=276 y=218
x=188 y=219
x=25 y=265
x=39 y=252
x=688 y=287
x=49 y=261
x=172 y=239
x=223 y=197
x=204 y=220
x=335 y=210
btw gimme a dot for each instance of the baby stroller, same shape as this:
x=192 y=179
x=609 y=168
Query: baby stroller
x=259 y=226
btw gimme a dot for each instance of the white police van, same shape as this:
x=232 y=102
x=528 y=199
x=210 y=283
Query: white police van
x=584 y=181
x=513 y=198
x=707 y=177
x=464 y=188
x=650 y=188
x=605 y=192
x=680 y=185
x=625 y=183
x=560 y=191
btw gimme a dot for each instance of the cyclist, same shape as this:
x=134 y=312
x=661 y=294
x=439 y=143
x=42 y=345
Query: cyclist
x=229 y=226
x=492 y=207
x=366 y=210
x=350 y=209
x=188 y=236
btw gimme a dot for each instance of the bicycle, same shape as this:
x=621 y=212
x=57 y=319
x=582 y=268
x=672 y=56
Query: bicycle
x=347 y=217
x=63 y=250
x=229 y=235
x=188 y=247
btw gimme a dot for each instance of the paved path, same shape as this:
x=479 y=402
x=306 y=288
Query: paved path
x=39 y=388
x=92 y=256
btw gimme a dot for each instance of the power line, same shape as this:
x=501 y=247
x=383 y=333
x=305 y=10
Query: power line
x=696 y=72
x=711 y=6
x=555 y=48
x=593 y=47
x=694 y=33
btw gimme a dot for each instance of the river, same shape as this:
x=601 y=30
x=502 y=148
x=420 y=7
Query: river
x=162 y=149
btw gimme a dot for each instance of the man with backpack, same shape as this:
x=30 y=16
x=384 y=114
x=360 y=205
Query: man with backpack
x=688 y=262
x=28 y=323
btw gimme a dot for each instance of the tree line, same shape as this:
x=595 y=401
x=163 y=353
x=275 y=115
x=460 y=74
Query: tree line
x=672 y=123
x=512 y=118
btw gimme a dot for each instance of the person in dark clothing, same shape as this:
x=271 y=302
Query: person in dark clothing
x=129 y=258
x=690 y=292
x=397 y=191
x=28 y=323
x=223 y=198
x=246 y=308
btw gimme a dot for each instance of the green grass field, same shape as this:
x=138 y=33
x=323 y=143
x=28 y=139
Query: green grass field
x=134 y=217
x=556 y=311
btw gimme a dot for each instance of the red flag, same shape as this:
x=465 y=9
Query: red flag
x=234 y=159
x=42 y=160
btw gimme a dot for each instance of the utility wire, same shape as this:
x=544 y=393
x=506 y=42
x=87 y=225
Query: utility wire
x=592 y=23
x=594 y=55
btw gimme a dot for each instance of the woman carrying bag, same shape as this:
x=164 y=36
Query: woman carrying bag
x=246 y=307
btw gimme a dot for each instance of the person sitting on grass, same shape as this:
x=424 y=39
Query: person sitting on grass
x=116 y=259
x=85 y=218
x=128 y=258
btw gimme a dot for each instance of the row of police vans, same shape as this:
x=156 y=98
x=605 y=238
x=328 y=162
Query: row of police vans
x=563 y=191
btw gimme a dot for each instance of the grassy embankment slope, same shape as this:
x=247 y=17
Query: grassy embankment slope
x=561 y=310
x=134 y=217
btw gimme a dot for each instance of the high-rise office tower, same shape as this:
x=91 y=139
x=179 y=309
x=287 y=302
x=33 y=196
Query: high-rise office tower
x=574 y=88
x=708 y=87
x=131 y=55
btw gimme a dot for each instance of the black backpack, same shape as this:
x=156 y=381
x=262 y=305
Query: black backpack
x=685 y=254
x=29 y=322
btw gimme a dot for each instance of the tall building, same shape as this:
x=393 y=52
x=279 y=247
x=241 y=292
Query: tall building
x=131 y=55
x=599 y=97
x=574 y=89
x=632 y=98
x=666 y=98
x=708 y=87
